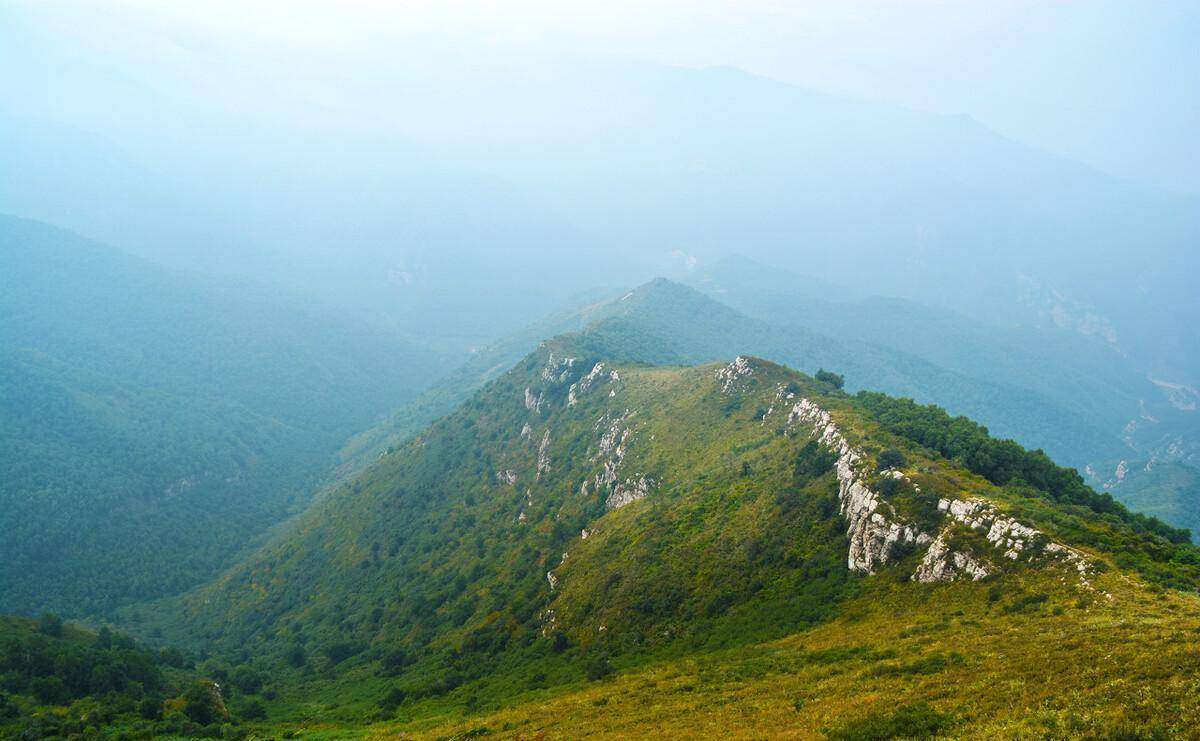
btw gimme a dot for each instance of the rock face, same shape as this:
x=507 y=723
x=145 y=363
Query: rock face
x=543 y=456
x=534 y=403
x=585 y=383
x=610 y=453
x=729 y=375
x=628 y=491
x=941 y=563
x=874 y=528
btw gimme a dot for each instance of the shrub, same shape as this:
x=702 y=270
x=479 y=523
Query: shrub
x=296 y=657
x=889 y=486
x=890 y=458
x=394 y=660
x=830 y=378
x=598 y=668
x=247 y=680
x=908 y=721
x=202 y=703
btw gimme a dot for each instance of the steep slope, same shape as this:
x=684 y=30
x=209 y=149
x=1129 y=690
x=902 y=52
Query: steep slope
x=1107 y=408
x=586 y=511
x=152 y=423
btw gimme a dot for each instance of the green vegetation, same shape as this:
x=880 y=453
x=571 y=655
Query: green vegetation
x=907 y=721
x=153 y=425
x=419 y=591
x=1155 y=549
x=60 y=681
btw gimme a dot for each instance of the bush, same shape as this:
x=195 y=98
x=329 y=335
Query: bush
x=202 y=703
x=394 y=661
x=340 y=651
x=598 y=668
x=889 y=486
x=909 y=721
x=296 y=657
x=813 y=460
x=890 y=458
x=394 y=697
x=247 y=680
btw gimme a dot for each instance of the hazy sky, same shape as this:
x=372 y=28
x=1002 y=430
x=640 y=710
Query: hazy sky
x=1114 y=84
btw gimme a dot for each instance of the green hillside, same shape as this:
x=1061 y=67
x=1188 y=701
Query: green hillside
x=153 y=425
x=587 y=514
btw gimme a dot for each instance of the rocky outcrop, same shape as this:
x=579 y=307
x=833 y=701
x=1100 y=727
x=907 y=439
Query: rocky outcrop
x=543 y=456
x=729 y=375
x=534 y=403
x=557 y=370
x=942 y=563
x=628 y=491
x=611 y=449
x=875 y=528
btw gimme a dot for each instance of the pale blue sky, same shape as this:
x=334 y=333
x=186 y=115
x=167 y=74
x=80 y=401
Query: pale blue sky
x=1113 y=83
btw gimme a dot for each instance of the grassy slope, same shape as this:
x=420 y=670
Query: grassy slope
x=1070 y=667
x=426 y=554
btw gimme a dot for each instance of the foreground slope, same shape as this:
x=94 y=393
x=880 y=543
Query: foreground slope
x=586 y=513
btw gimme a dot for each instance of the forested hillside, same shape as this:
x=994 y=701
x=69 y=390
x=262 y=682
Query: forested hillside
x=153 y=424
x=587 y=513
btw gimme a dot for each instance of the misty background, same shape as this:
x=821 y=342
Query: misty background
x=295 y=230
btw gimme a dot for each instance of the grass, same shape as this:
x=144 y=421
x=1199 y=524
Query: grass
x=903 y=659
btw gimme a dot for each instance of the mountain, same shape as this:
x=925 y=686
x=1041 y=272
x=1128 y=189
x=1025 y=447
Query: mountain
x=1110 y=408
x=692 y=328
x=1168 y=490
x=526 y=182
x=154 y=424
x=590 y=512
x=1093 y=379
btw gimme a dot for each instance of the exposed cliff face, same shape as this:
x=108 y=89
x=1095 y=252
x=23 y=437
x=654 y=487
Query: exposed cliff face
x=875 y=528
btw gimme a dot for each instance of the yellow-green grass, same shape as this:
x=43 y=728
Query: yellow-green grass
x=1079 y=664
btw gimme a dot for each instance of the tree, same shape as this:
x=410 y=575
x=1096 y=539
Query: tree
x=50 y=690
x=202 y=703
x=247 y=680
x=830 y=378
x=150 y=708
x=50 y=624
